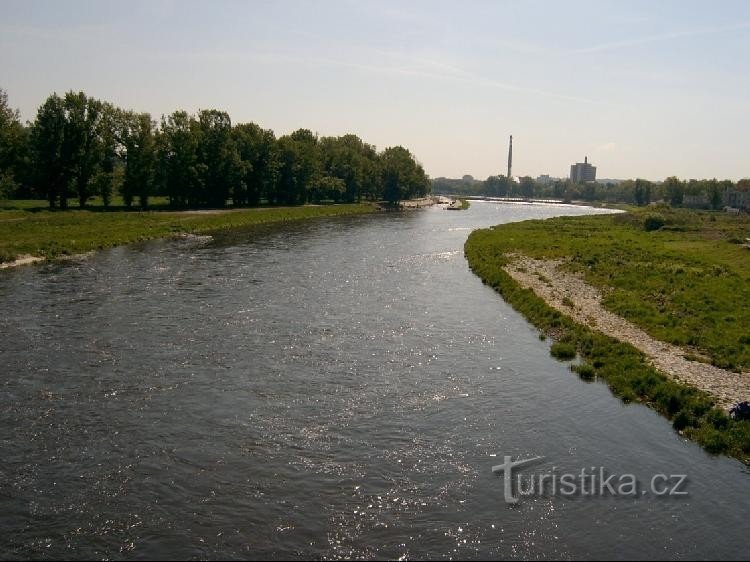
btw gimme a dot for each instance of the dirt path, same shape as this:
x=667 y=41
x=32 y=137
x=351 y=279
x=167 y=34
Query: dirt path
x=548 y=281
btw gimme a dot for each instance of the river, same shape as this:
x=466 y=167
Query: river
x=334 y=388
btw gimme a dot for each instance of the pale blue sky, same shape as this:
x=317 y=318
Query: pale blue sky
x=644 y=89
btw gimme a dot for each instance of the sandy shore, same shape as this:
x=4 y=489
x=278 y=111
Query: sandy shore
x=551 y=283
x=23 y=260
x=417 y=203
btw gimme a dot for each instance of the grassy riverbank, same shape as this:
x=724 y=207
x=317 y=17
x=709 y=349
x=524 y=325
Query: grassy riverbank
x=685 y=283
x=49 y=234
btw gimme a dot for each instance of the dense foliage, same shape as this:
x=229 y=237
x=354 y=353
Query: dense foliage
x=80 y=147
x=699 y=194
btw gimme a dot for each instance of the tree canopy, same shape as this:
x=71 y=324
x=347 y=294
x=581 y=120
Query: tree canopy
x=81 y=147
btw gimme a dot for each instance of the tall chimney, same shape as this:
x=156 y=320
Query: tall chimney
x=585 y=159
x=510 y=156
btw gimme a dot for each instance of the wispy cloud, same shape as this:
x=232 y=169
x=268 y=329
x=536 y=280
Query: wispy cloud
x=377 y=61
x=606 y=147
x=668 y=36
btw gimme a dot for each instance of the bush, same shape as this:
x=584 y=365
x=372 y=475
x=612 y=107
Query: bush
x=682 y=420
x=585 y=371
x=563 y=351
x=654 y=221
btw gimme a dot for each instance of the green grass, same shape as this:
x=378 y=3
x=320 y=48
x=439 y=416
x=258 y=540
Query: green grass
x=563 y=351
x=465 y=204
x=53 y=233
x=686 y=283
x=94 y=203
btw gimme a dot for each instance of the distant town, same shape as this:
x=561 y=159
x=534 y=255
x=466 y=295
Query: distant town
x=581 y=184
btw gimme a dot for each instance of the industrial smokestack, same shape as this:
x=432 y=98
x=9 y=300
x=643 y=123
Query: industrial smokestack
x=510 y=156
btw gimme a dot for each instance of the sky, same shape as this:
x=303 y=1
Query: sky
x=644 y=89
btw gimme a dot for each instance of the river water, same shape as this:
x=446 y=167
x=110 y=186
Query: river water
x=335 y=388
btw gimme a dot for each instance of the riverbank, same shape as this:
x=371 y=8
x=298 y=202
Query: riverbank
x=458 y=205
x=28 y=237
x=417 y=203
x=571 y=295
x=660 y=316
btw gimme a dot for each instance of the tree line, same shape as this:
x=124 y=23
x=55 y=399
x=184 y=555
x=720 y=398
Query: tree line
x=81 y=147
x=705 y=193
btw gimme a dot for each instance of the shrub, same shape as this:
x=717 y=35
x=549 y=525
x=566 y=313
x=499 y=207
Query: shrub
x=585 y=371
x=653 y=221
x=563 y=351
x=682 y=420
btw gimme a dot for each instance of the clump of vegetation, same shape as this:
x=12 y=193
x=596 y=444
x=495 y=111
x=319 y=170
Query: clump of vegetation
x=586 y=371
x=563 y=351
x=669 y=289
x=653 y=221
x=567 y=302
x=465 y=204
x=543 y=278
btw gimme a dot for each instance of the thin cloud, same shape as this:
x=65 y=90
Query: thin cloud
x=660 y=37
x=395 y=64
x=606 y=147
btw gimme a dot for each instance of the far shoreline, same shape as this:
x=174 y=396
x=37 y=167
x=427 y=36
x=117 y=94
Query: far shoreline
x=28 y=238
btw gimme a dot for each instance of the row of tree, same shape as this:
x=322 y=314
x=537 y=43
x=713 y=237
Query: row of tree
x=80 y=147
x=690 y=193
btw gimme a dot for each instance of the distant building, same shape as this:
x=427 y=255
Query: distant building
x=582 y=172
x=544 y=179
x=737 y=199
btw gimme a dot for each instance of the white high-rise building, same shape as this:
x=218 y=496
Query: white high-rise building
x=581 y=172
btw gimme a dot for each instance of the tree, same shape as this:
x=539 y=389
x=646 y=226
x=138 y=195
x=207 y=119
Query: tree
x=587 y=191
x=299 y=166
x=218 y=156
x=716 y=193
x=178 y=159
x=109 y=139
x=327 y=187
x=642 y=192
x=496 y=186
x=674 y=191
x=90 y=147
x=81 y=148
x=354 y=162
x=67 y=149
x=47 y=136
x=527 y=186
x=403 y=177
x=139 y=152
x=13 y=148
x=258 y=164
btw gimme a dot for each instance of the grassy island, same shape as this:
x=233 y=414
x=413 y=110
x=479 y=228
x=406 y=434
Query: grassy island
x=682 y=277
x=49 y=234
